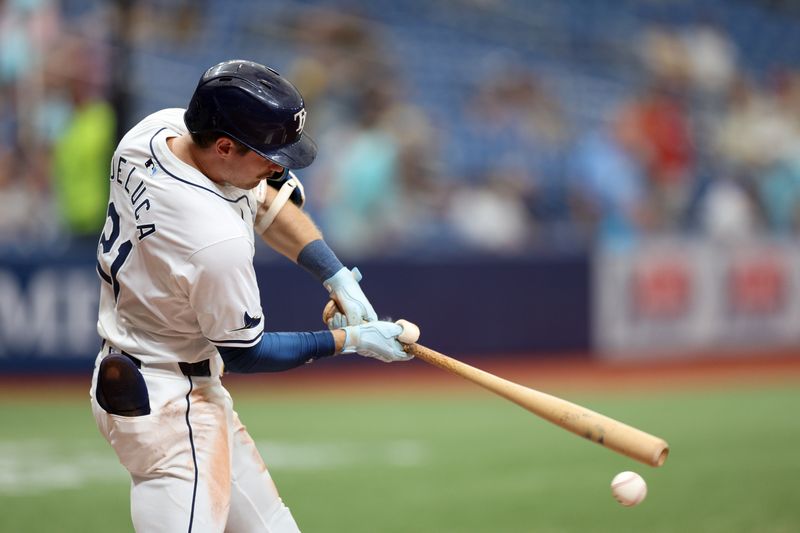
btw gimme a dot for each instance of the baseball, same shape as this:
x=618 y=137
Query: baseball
x=628 y=488
x=410 y=333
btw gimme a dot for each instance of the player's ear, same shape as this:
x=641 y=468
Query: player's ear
x=225 y=147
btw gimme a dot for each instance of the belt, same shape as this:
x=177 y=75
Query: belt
x=199 y=369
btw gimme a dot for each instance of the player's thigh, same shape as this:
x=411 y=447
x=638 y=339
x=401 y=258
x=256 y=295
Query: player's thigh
x=196 y=491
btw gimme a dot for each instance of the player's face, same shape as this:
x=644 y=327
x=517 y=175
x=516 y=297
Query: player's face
x=247 y=170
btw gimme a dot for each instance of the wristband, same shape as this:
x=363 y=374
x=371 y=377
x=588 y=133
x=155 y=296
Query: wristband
x=317 y=258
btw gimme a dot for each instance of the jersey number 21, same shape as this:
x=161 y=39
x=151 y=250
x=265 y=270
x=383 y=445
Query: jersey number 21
x=122 y=251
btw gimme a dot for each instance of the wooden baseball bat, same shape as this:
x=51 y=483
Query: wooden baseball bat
x=612 y=434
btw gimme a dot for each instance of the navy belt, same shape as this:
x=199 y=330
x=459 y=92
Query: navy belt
x=200 y=369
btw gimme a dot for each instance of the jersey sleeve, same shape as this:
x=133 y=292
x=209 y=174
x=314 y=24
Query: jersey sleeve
x=224 y=294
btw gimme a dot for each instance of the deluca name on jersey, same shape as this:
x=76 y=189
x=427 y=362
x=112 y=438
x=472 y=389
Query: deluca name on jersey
x=135 y=189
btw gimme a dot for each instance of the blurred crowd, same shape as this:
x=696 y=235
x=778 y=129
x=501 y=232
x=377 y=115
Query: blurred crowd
x=57 y=128
x=696 y=143
x=697 y=146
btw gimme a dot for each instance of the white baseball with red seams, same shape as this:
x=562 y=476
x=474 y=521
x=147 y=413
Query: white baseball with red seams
x=628 y=488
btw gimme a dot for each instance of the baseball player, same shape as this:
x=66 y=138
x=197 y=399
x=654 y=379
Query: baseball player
x=179 y=299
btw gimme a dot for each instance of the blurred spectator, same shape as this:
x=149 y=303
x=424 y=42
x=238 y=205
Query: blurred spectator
x=778 y=186
x=699 y=56
x=759 y=138
x=778 y=191
x=27 y=31
x=341 y=57
x=711 y=58
x=377 y=150
x=511 y=145
x=364 y=177
x=179 y=22
x=379 y=167
x=727 y=212
x=424 y=193
x=664 y=56
x=655 y=127
x=490 y=218
x=25 y=209
x=26 y=213
x=82 y=152
x=609 y=187
x=754 y=131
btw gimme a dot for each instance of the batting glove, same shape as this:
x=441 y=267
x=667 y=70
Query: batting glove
x=376 y=339
x=344 y=288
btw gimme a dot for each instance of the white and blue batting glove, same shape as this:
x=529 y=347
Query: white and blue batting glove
x=344 y=288
x=375 y=339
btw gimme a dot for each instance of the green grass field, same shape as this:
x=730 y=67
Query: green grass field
x=458 y=461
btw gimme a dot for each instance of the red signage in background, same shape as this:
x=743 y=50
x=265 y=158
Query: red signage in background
x=661 y=289
x=757 y=285
x=690 y=295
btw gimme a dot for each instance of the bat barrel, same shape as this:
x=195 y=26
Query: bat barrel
x=584 y=422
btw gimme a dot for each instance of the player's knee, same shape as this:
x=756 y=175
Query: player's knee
x=121 y=389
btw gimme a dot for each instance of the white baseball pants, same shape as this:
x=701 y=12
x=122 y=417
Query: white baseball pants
x=193 y=465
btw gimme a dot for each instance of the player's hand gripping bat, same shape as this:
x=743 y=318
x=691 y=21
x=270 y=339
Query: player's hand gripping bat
x=598 y=428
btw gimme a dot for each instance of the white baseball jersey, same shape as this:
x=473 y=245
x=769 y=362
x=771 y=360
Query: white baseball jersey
x=176 y=253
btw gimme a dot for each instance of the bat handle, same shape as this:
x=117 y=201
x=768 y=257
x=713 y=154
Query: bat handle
x=407 y=338
x=331 y=308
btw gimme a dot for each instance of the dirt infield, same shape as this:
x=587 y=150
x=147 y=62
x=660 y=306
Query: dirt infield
x=549 y=373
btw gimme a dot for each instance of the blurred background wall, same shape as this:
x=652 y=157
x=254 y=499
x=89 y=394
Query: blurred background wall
x=608 y=178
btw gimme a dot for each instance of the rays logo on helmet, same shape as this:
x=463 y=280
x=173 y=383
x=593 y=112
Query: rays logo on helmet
x=301 y=119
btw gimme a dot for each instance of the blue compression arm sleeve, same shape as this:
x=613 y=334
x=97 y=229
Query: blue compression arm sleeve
x=276 y=352
x=319 y=259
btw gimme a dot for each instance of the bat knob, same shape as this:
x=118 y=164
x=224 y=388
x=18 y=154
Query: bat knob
x=410 y=333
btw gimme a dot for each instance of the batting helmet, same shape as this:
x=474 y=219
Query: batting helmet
x=256 y=106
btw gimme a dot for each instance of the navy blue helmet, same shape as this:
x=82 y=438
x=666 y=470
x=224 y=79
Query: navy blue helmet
x=256 y=106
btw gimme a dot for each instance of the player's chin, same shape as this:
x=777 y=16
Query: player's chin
x=252 y=184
